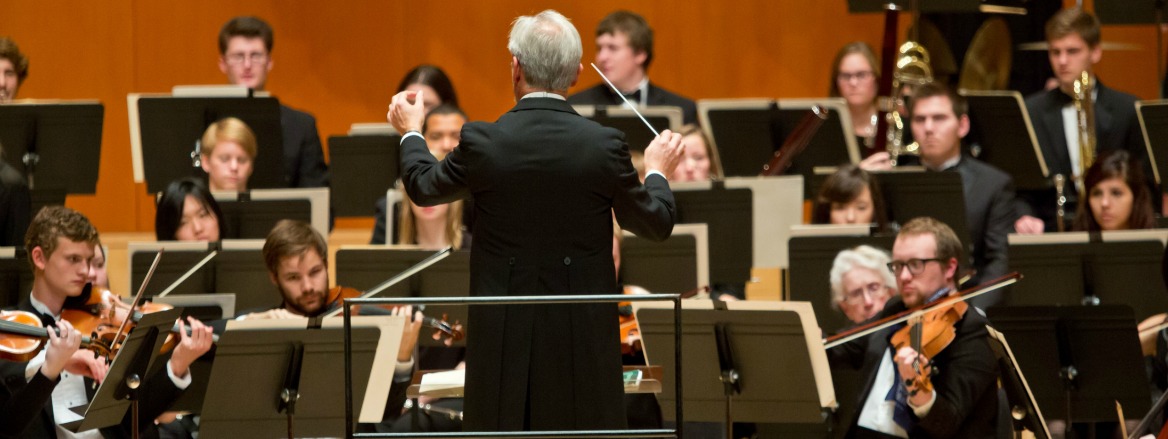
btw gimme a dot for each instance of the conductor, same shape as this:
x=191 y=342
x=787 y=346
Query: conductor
x=546 y=183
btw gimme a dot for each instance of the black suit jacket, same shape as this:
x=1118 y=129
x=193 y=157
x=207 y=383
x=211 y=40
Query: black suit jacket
x=602 y=94
x=304 y=164
x=546 y=182
x=989 y=214
x=156 y=395
x=965 y=379
x=1116 y=127
x=21 y=401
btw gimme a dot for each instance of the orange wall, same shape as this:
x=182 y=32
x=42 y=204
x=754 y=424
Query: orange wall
x=341 y=59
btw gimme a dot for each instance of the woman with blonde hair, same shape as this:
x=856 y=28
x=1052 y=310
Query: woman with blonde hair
x=227 y=154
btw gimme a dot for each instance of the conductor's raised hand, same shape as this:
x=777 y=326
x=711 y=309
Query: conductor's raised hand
x=406 y=112
x=664 y=153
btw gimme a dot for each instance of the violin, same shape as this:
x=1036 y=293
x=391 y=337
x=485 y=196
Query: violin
x=22 y=335
x=630 y=333
x=442 y=328
x=928 y=335
x=103 y=313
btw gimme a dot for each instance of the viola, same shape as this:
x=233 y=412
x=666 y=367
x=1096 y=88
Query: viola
x=22 y=335
x=443 y=330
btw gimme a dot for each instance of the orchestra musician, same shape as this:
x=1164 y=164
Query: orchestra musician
x=60 y=244
x=15 y=199
x=963 y=402
x=861 y=283
x=245 y=57
x=1117 y=196
x=22 y=399
x=545 y=182
x=13 y=69
x=701 y=161
x=850 y=195
x=228 y=155
x=297 y=260
x=433 y=81
x=187 y=211
x=1074 y=38
x=854 y=75
x=624 y=50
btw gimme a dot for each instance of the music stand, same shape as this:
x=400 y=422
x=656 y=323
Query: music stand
x=363 y=166
x=1071 y=269
x=1001 y=121
x=742 y=130
x=15 y=276
x=259 y=360
x=637 y=137
x=56 y=145
x=1024 y=411
x=730 y=376
x=1153 y=116
x=728 y=214
x=824 y=147
x=364 y=267
x=180 y=257
x=1081 y=357
x=665 y=267
x=811 y=261
x=252 y=214
x=165 y=134
x=135 y=362
x=1017 y=7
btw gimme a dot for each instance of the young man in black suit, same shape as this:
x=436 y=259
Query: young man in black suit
x=939 y=119
x=60 y=244
x=624 y=49
x=245 y=56
x=1075 y=47
x=546 y=183
x=963 y=400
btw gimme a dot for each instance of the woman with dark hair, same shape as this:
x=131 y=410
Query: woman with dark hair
x=1117 y=196
x=188 y=212
x=435 y=86
x=850 y=196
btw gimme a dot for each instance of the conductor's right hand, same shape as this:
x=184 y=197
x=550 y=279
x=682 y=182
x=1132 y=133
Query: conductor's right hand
x=405 y=115
x=664 y=152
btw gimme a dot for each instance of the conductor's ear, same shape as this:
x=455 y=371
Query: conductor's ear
x=579 y=70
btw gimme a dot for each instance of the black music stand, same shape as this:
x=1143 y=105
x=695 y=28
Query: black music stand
x=55 y=146
x=252 y=214
x=670 y=266
x=637 y=136
x=180 y=257
x=1089 y=272
x=729 y=214
x=1080 y=358
x=731 y=372
x=1153 y=117
x=869 y=6
x=1023 y=409
x=244 y=273
x=134 y=364
x=15 y=276
x=811 y=258
x=257 y=362
x=170 y=129
x=833 y=143
x=1001 y=121
x=366 y=267
x=363 y=167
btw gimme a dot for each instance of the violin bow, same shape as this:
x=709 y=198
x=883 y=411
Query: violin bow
x=425 y=263
x=878 y=325
x=188 y=274
x=622 y=96
x=137 y=297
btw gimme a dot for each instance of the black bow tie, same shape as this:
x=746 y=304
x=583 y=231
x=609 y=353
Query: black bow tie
x=634 y=97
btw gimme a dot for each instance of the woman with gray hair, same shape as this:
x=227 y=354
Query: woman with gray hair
x=861 y=282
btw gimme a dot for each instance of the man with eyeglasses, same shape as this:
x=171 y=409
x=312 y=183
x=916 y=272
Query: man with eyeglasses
x=245 y=56
x=963 y=401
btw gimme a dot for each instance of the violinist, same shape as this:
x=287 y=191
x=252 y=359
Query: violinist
x=955 y=395
x=21 y=399
x=60 y=244
x=296 y=257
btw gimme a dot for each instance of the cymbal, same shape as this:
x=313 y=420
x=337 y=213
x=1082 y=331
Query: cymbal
x=987 y=62
x=1042 y=46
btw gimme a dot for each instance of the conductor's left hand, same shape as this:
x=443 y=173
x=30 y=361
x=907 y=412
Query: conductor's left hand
x=406 y=112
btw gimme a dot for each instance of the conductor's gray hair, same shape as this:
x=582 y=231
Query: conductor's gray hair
x=860 y=257
x=548 y=48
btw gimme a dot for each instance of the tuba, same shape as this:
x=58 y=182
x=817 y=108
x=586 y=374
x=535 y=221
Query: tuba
x=1085 y=112
x=912 y=70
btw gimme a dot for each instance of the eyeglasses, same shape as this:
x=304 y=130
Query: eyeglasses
x=236 y=59
x=861 y=76
x=873 y=289
x=915 y=266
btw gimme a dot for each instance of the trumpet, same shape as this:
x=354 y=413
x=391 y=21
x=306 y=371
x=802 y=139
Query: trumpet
x=912 y=70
